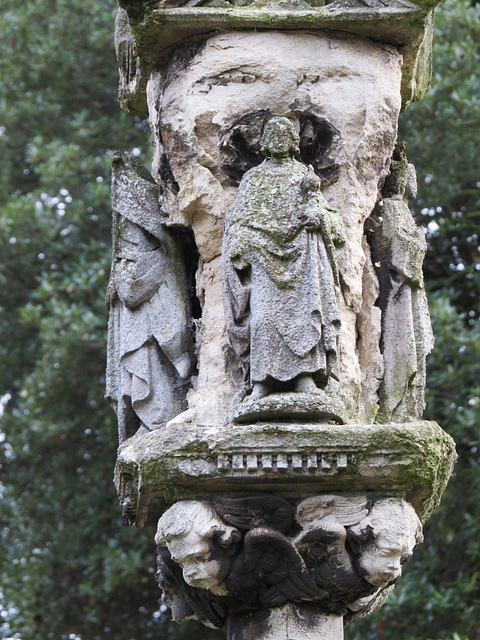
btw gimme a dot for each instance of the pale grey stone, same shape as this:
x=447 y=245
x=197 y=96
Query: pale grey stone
x=129 y=64
x=293 y=310
x=149 y=344
x=385 y=540
x=359 y=114
x=318 y=510
x=183 y=461
x=399 y=248
x=246 y=551
x=280 y=270
x=199 y=542
x=284 y=623
x=407 y=25
x=314 y=406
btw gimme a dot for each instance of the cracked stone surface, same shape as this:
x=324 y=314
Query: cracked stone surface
x=356 y=89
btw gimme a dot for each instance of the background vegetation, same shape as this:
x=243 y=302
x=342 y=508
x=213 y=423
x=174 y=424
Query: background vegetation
x=68 y=568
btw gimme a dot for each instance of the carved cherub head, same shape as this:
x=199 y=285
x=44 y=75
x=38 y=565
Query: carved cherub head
x=199 y=542
x=385 y=539
x=280 y=138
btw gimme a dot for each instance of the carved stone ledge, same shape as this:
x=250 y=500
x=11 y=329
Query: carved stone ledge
x=157 y=27
x=182 y=461
x=292 y=463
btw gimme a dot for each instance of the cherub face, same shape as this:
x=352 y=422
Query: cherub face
x=199 y=542
x=382 y=559
x=194 y=554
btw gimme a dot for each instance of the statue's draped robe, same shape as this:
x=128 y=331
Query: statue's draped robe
x=408 y=336
x=151 y=342
x=150 y=346
x=279 y=290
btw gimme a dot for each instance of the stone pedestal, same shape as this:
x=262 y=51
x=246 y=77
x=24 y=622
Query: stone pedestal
x=184 y=461
x=274 y=525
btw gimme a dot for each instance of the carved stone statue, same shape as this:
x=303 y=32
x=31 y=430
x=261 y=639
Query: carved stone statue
x=399 y=248
x=280 y=273
x=187 y=602
x=385 y=539
x=150 y=349
x=323 y=545
x=268 y=322
x=199 y=542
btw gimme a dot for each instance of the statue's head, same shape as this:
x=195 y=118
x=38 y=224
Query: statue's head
x=133 y=240
x=199 y=542
x=402 y=180
x=384 y=540
x=280 y=138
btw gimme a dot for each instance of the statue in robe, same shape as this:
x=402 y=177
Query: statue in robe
x=280 y=272
x=150 y=345
x=399 y=247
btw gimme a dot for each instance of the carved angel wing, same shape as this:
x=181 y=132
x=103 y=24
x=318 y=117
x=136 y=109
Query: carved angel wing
x=344 y=510
x=270 y=570
x=256 y=511
x=331 y=567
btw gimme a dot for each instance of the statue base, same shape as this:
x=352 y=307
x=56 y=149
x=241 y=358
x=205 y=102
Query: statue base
x=309 y=407
x=182 y=461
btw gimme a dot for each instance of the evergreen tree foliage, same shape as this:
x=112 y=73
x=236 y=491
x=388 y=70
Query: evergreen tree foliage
x=68 y=567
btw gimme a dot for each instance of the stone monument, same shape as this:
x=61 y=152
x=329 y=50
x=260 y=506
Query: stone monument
x=268 y=320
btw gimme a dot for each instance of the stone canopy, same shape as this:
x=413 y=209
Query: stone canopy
x=147 y=31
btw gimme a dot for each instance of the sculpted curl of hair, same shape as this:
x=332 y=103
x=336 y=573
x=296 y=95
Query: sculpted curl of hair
x=189 y=515
x=389 y=516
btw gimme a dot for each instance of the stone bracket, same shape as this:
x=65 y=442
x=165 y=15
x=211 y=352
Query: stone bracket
x=411 y=460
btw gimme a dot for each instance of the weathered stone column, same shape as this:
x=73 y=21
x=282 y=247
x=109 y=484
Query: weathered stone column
x=269 y=324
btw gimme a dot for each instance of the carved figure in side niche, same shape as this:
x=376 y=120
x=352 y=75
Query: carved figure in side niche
x=280 y=272
x=199 y=542
x=399 y=248
x=149 y=343
x=322 y=544
x=384 y=540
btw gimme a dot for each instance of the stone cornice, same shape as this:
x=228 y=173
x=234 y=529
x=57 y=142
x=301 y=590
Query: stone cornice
x=149 y=31
x=411 y=460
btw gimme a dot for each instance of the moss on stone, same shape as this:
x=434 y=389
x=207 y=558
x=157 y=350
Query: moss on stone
x=413 y=460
